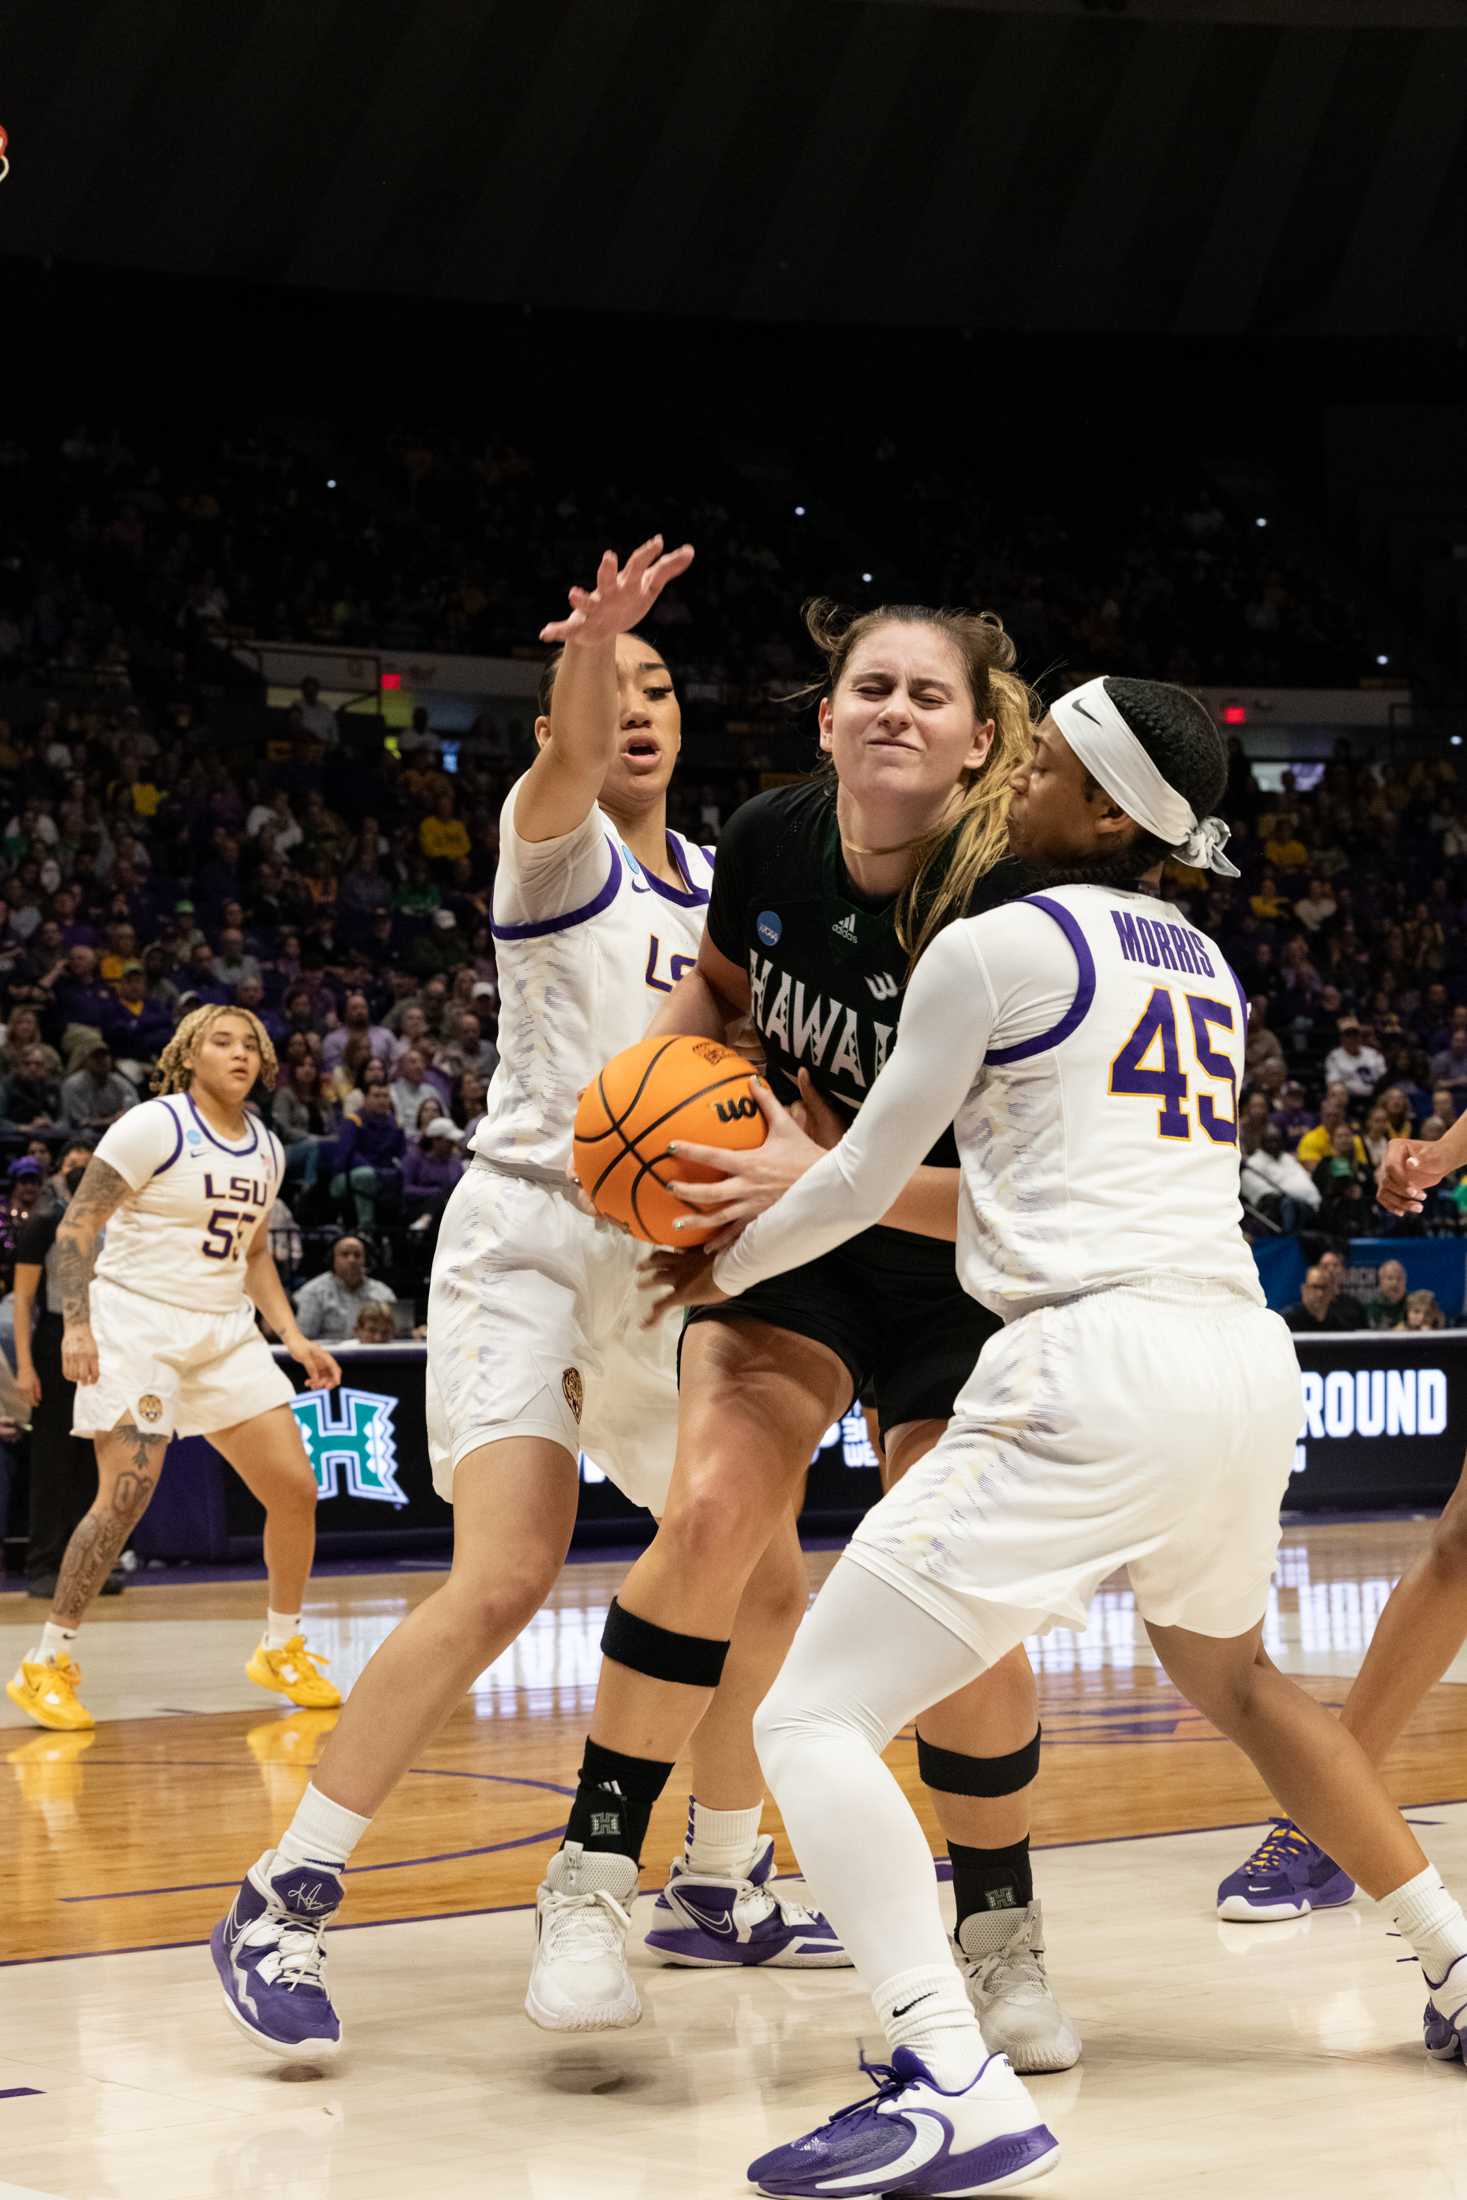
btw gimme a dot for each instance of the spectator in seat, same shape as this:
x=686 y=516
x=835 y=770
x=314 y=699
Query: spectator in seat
x=1400 y=1122
x=469 y=1049
x=1387 y=1310
x=1423 y=1311
x=467 y=1107
x=1263 y=1044
x=357 y=1024
x=1293 y=1114
x=430 y=1171
x=1355 y=1064
x=78 y=993
x=1449 y=1067
x=369 y=1155
x=443 y=837
x=32 y=1099
x=1311 y=1314
x=376 y=1324
x=315 y=718
x=1376 y=1135
x=306 y=1119
x=233 y=963
x=1267 y=904
x=1445 y=1103
x=1283 y=848
x=1349 y=1308
x=136 y=1029
x=22 y=1034
x=409 y=1089
x=1317 y=906
x=94 y=1096
x=1276 y=1184
x=1345 y=1186
x=327 y=1307
x=1319 y=1144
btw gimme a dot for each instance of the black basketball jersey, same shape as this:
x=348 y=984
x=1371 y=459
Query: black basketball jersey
x=826 y=970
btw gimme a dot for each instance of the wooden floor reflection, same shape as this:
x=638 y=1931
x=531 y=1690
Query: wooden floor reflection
x=125 y=1837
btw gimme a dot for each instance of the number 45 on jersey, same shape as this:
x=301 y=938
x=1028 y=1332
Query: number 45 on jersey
x=1136 y=1074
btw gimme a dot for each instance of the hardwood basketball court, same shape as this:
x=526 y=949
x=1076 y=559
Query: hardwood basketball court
x=1241 y=2060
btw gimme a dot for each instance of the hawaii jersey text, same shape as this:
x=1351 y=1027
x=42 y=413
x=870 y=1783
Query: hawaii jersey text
x=825 y=1034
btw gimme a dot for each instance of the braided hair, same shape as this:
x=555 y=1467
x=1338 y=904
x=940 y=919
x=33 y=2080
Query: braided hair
x=176 y=1062
x=1178 y=734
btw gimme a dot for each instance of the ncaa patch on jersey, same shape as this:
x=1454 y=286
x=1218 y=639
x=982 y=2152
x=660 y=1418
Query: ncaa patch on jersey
x=768 y=927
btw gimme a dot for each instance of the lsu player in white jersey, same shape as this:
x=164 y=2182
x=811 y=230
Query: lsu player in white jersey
x=535 y=1351
x=1138 y=1410
x=160 y=1340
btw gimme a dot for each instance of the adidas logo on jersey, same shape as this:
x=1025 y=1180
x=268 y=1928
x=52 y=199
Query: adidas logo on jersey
x=844 y=928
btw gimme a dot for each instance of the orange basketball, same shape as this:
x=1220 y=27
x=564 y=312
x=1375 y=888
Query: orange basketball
x=646 y=1097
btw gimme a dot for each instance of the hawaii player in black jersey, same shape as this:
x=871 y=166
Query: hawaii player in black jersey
x=824 y=895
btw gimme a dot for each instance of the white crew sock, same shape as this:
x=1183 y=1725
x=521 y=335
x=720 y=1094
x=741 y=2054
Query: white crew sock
x=279 y=1628
x=321 y=1832
x=1429 y=1915
x=55 y=1643
x=722 y=1844
x=936 y=2021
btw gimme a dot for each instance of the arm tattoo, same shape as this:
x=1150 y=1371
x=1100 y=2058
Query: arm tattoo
x=97 y=1542
x=99 y=1195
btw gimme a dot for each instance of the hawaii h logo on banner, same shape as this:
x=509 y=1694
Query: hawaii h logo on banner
x=350 y=1443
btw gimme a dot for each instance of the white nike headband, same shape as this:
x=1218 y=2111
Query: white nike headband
x=1111 y=754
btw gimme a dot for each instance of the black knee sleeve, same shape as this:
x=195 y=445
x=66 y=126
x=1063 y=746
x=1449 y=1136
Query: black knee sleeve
x=951 y=1773
x=692 y=1661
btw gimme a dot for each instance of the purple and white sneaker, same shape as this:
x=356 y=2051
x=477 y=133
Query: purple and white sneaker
x=1287 y=1875
x=272 y=1965
x=716 y=1924
x=912 y=2138
x=1444 y=2025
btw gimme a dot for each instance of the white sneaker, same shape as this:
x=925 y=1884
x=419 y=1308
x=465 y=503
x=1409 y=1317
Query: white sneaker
x=1003 y=1963
x=579 y=1981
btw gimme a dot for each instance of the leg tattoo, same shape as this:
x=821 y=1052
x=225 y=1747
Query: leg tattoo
x=97 y=1542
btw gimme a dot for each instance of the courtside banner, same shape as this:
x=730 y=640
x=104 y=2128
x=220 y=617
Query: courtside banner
x=1382 y=1422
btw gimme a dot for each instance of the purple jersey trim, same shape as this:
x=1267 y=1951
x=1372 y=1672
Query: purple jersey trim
x=547 y=925
x=696 y=897
x=1078 y=1009
x=162 y=1170
x=237 y=1151
x=1242 y=996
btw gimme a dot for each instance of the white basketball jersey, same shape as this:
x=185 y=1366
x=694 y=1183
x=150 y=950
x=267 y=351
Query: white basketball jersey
x=196 y=1202
x=1102 y=1146
x=588 y=944
x=1087 y=1047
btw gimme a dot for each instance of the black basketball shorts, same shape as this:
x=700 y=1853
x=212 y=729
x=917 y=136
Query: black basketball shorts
x=891 y=1307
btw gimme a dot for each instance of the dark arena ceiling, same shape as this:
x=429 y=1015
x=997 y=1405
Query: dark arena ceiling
x=1242 y=168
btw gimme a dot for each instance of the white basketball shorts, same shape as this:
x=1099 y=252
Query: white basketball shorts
x=534 y=1329
x=1149 y=1430
x=171 y=1372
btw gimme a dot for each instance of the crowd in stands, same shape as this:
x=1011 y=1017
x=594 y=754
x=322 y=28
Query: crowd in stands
x=125 y=553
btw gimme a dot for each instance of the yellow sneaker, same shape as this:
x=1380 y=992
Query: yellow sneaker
x=294 y=1672
x=47 y=1693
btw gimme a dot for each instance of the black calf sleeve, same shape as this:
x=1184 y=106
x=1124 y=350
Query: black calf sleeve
x=952 y=1773
x=614 y=1801
x=692 y=1661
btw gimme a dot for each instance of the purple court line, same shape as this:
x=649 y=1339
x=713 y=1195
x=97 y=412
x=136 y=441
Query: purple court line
x=399 y=1864
x=507 y=1909
x=18 y=2092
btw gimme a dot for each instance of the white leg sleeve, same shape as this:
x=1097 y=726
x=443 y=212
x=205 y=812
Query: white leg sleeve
x=865 y=1661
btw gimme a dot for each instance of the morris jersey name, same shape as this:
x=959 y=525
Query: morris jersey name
x=813 y=1028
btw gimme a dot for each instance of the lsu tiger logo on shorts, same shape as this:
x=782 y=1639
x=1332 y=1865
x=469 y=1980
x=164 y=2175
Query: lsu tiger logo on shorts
x=575 y=1395
x=150 y=1406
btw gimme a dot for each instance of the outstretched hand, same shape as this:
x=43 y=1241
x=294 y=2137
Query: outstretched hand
x=1408 y=1171
x=622 y=596
x=748 y=1182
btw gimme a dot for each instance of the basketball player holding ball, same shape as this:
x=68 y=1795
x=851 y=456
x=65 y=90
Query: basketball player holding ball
x=824 y=897
x=536 y=1350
